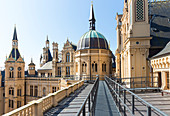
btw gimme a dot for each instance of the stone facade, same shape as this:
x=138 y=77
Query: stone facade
x=22 y=86
x=137 y=38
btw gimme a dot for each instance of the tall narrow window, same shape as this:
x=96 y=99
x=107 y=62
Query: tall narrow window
x=68 y=57
x=84 y=67
x=140 y=10
x=54 y=89
x=59 y=71
x=11 y=72
x=36 y=91
x=104 y=67
x=18 y=104
x=11 y=91
x=94 y=66
x=19 y=92
x=44 y=91
x=19 y=72
x=67 y=71
x=31 y=90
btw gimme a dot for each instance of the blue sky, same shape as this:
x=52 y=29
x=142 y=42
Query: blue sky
x=59 y=19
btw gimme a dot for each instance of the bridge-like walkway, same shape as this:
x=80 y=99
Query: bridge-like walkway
x=105 y=105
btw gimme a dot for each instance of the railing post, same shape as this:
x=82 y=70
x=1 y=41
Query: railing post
x=84 y=111
x=89 y=103
x=133 y=104
x=149 y=111
x=116 y=94
x=119 y=97
x=124 y=102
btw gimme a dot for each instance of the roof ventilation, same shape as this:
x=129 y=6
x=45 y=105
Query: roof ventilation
x=155 y=30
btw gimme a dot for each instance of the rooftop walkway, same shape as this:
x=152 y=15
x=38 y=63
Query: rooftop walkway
x=70 y=105
x=105 y=105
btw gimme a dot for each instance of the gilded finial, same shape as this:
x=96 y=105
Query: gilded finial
x=92 y=2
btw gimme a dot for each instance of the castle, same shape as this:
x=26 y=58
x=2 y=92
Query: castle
x=92 y=56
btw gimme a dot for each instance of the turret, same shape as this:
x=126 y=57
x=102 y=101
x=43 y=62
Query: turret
x=31 y=68
x=55 y=58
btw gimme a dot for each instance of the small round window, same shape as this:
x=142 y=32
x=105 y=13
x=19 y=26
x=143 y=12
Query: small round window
x=137 y=42
x=19 y=68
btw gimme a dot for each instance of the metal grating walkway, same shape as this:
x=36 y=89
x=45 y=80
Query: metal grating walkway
x=105 y=105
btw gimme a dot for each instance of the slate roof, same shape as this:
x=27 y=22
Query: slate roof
x=15 y=53
x=164 y=52
x=160 y=25
x=46 y=66
x=15 y=34
x=49 y=56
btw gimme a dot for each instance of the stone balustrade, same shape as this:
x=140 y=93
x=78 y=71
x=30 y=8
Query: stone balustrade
x=38 y=107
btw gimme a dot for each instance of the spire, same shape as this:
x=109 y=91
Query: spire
x=92 y=19
x=31 y=60
x=15 y=34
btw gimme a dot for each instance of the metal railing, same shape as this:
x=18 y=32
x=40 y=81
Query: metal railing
x=129 y=103
x=91 y=98
x=134 y=83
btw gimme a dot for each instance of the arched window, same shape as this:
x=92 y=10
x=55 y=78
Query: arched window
x=11 y=91
x=94 y=66
x=36 y=91
x=19 y=72
x=19 y=91
x=11 y=72
x=44 y=91
x=68 y=57
x=84 y=67
x=140 y=10
x=104 y=67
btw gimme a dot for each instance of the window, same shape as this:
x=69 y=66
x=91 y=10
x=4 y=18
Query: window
x=54 y=89
x=84 y=67
x=68 y=57
x=67 y=71
x=11 y=103
x=31 y=90
x=44 y=91
x=19 y=74
x=168 y=81
x=18 y=104
x=104 y=67
x=139 y=10
x=11 y=91
x=94 y=66
x=59 y=71
x=11 y=73
x=18 y=92
x=36 y=91
x=56 y=55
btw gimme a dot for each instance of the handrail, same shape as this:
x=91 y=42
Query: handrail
x=115 y=89
x=38 y=107
x=92 y=98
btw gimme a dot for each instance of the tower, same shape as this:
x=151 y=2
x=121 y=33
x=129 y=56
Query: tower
x=46 y=52
x=14 y=77
x=31 y=68
x=55 y=59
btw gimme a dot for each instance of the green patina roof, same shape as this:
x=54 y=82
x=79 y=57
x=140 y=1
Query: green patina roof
x=92 y=34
